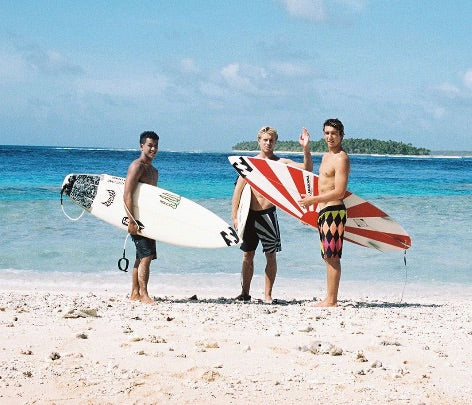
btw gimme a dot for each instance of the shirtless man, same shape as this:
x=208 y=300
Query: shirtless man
x=332 y=184
x=141 y=170
x=262 y=221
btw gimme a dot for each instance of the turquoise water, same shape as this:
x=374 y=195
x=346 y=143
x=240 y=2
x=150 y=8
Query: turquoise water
x=430 y=197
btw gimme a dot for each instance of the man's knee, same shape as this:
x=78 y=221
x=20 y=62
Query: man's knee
x=146 y=261
x=271 y=257
x=334 y=259
x=249 y=256
x=334 y=262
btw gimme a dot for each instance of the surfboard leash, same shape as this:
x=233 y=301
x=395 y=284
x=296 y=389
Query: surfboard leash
x=62 y=206
x=132 y=217
x=123 y=262
x=124 y=259
x=406 y=276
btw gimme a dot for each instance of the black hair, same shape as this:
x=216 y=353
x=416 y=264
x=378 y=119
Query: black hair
x=148 y=134
x=335 y=123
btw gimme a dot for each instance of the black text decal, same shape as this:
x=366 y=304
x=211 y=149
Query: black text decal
x=242 y=167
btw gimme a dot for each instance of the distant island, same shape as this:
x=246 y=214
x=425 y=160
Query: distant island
x=350 y=145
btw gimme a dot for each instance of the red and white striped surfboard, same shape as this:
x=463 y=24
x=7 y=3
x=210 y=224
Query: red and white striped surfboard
x=283 y=184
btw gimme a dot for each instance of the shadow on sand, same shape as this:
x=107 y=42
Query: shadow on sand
x=279 y=302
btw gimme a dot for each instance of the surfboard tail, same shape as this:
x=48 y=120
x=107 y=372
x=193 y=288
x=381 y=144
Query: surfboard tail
x=67 y=184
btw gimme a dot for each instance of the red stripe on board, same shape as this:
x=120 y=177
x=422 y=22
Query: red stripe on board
x=266 y=170
x=270 y=198
x=310 y=218
x=299 y=180
x=401 y=241
x=364 y=210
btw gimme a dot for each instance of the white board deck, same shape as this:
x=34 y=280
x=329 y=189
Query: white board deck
x=163 y=215
x=243 y=209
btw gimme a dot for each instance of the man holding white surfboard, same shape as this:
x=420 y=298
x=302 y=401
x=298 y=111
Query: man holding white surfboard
x=261 y=223
x=332 y=185
x=141 y=170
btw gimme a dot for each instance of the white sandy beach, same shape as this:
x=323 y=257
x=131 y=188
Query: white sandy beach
x=79 y=347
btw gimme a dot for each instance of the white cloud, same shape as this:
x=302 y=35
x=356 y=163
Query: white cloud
x=129 y=87
x=312 y=10
x=188 y=65
x=46 y=61
x=55 y=62
x=353 y=4
x=12 y=68
x=290 y=69
x=20 y=61
x=243 y=78
x=211 y=89
x=436 y=112
x=317 y=10
x=468 y=78
x=232 y=75
x=449 y=90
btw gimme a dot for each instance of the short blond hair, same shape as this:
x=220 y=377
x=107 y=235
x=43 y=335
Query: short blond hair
x=268 y=130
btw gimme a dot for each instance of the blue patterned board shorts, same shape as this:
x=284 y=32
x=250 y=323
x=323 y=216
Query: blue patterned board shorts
x=144 y=247
x=263 y=226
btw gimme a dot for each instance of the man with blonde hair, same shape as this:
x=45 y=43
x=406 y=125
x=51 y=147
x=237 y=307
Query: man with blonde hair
x=262 y=224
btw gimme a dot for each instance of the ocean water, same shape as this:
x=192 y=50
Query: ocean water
x=430 y=197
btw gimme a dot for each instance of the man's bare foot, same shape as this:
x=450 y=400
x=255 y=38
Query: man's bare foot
x=147 y=299
x=326 y=303
x=135 y=297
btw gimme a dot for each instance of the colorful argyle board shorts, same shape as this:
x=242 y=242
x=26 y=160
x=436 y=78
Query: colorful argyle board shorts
x=331 y=221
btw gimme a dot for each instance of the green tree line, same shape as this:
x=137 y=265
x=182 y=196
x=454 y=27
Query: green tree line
x=351 y=145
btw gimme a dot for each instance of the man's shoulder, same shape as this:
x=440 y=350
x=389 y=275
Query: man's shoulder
x=335 y=158
x=135 y=168
x=135 y=164
x=344 y=155
x=342 y=160
x=341 y=155
x=136 y=161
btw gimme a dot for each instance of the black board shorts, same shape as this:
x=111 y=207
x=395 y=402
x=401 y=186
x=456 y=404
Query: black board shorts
x=262 y=226
x=144 y=246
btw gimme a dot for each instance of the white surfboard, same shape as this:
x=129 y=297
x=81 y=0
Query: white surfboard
x=162 y=215
x=243 y=209
x=282 y=184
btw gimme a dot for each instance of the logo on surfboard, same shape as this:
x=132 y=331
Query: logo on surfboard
x=308 y=185
x=242 y=167
x=111 y=198
x=171 y=200
x=230 y=236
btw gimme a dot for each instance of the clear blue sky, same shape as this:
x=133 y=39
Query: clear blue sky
x=207 y=74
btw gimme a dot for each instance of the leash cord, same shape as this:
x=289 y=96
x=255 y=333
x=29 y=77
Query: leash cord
x=406 y=277
x=65 y=213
